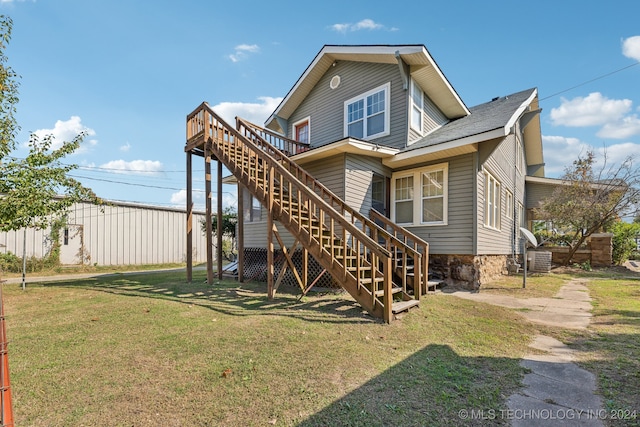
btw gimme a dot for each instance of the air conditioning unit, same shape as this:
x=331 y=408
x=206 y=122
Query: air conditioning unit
x=539 y=261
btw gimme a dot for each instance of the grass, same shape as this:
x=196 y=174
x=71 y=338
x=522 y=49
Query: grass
x=536 y=286
x=610 y=348
x=150 y=349
x=81 y=269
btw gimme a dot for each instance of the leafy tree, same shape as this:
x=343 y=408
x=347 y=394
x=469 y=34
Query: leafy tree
x=8 y=92
x=229 y=221
x=624 y=240
x=590 y=199
x=36 y=190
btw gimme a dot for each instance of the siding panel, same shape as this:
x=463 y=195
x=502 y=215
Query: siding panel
x=457 y=236
x=325 y=106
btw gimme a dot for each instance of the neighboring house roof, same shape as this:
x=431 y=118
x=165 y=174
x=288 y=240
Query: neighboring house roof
x=422 y=67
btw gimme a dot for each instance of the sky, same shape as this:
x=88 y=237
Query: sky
x=127 y=73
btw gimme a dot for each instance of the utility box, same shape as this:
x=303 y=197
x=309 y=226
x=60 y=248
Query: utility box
x=539 y=261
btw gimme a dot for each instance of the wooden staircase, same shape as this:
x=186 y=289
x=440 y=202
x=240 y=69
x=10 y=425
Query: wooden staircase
x=363 y=257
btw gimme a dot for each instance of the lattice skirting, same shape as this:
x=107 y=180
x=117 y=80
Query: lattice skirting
x=255 y=267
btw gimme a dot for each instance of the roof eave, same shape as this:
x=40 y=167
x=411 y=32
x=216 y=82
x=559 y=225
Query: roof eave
x=456 y=147
x=423 y=68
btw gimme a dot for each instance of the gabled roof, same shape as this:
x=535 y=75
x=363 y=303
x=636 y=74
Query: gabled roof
x=487 y=121
x=422 y=67
x=497 y=114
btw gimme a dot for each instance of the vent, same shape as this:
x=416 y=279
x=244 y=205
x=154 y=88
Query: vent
x=335 y=82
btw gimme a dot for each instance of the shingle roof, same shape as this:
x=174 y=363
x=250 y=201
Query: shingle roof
x=482 y=118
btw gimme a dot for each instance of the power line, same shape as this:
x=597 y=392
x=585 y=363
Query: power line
x=131 y=183
x=590 y=81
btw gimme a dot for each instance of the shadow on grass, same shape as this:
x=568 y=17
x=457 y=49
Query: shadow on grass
x=432 y=387
x=228 y=297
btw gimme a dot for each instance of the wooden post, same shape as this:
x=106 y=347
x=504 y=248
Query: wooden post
x=270 y=248
x=189 y=219
x=219 y=224
x=240 y=234
x=305 y=267
x=208 y=221
x=388 y=296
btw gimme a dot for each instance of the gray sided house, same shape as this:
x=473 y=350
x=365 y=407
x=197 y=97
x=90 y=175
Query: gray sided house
x=386 y=130
x=115 y=234
x=374 y=175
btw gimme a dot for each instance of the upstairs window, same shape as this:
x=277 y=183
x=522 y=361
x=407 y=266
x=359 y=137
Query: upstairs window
x=367 y=116
x=301 y=131
x=417 y=107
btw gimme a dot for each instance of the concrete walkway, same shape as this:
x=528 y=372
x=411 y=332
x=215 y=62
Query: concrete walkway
x=556 y=391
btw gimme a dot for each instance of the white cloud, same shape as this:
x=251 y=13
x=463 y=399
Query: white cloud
x=126 y=147
x=594 y=110
x=66 y=131
x=631 y=47
x=617 y=153
x=365 y=24
x=242 y=51
x=256 y=113
x=145 y=167
x=559 y=152
x=621 y=129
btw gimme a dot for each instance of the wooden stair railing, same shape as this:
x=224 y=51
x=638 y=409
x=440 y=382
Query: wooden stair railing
x=409 y=247
x=406 y=263
x=358 y=263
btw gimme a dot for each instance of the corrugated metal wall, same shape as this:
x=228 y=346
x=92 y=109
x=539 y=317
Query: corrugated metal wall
x=118 y=234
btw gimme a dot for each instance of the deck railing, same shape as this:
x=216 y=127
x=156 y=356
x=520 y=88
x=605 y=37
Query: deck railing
x=353 y=258
x=405 y=247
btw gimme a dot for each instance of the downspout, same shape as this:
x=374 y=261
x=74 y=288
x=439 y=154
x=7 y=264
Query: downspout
x=403 y=72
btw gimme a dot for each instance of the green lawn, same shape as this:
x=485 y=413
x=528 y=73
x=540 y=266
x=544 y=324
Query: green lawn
x=150 y=349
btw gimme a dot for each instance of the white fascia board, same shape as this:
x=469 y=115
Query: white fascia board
x=469 y=140
x=521 y=109
x=347 y=145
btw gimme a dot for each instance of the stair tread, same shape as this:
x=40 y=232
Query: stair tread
x=399 y=306
x=394 y=290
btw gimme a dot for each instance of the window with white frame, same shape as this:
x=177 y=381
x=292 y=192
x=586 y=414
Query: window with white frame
x=522 y=216
x=491 y=201
x=367 y=116
x=420 y=196
x=519 y=156
x=509 y=204
x=301 y=131
x=417 y=106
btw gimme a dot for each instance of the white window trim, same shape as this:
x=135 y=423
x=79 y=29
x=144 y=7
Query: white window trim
x=509 y=204
x=420 y=108
x=293 y=127
x=519 y=156
x=387 y=111
x=417 y=194
x=491 y=204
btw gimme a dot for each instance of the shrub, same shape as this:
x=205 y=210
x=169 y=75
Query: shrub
x=624 y=243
